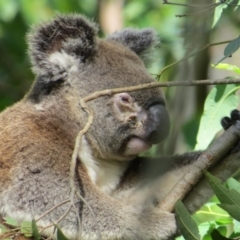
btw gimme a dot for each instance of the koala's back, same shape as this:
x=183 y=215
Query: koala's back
x=35 y=152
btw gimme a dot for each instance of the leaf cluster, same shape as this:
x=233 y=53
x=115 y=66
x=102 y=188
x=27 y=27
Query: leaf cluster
x=229 y=197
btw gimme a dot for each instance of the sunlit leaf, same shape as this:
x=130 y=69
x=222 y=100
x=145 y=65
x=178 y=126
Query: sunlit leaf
x=224 y=221
x=11 y=222
x=217 y=13
x=186 y=224
x=26 y=228
x=233 y=184
x=220 y=101
x=226 y=66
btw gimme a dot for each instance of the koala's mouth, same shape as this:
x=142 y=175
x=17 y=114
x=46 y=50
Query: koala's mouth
x=136 y=145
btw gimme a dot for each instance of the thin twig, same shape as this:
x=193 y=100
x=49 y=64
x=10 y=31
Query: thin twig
x=188 y=5
x=101 y=93
x=191 y=55
x=51 y=209
x=196 y=13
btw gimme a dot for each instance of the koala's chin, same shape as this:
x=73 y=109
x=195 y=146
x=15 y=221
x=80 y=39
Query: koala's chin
x=136 y=146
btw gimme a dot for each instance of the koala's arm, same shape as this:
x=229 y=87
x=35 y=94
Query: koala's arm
x=154 y=178
x=117 y=220
x=158 y=176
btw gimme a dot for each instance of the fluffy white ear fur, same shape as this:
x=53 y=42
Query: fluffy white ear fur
x=71 y=35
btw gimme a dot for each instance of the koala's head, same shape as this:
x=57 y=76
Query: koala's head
x=70 y=60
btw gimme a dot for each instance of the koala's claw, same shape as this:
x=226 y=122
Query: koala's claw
x=227 y=122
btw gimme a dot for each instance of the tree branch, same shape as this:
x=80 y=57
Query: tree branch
x=216 y=151
x=98 y=94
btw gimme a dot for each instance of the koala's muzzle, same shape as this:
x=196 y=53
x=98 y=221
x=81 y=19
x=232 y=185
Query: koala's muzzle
x=146 y=125
x=158 y=123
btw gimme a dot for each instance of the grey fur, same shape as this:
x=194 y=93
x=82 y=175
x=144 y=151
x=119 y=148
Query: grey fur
x=73 y=34
x=142 y=42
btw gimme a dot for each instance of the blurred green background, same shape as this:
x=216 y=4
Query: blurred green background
x=180 y=36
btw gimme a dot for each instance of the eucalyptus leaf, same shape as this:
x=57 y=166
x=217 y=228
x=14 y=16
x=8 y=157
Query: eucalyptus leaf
x=217 y=236
x=36 y=235
x=11 y=222
x=226 y=66
x=225 y=196
x=217 y=13
x=186 y=224
x=220 y=101
x=233 y=184
x=231 y=48
x=60 y=235
x=26 y=229
x=2 y=229
x=233 y=210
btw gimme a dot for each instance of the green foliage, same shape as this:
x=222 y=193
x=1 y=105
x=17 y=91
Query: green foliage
x=231 y=48
x=60 y=235
x=217 y=13
x=35 y=232
x=186 y=224
x=229 y=67
x=27 y=229
x=229 y=198
x=221 y=100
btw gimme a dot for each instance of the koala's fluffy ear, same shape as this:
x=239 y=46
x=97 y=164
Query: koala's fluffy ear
x=142 y=42
x=57 y=46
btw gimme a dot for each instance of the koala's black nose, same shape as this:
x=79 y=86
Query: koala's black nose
x=158 y=124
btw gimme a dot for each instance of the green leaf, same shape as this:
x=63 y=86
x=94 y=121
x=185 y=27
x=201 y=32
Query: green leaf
x=224 y=195
x=11 y=222
x=217 y=236
x=224 y=221
x=226 y=66
x=186 y=224
x=26 y=228
x=220 y=101
x=233 y=184
x=60 y=235
x=217 y=13
x=36 y=235
x=2 y=229
x=233 y=210
x=231 y=48
x=230 y=199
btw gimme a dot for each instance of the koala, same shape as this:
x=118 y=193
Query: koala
x=117 y=191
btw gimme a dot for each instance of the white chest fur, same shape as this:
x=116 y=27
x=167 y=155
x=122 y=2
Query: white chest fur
x=105 y=174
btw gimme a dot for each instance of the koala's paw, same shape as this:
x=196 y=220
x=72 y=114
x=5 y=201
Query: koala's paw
x=227 y=122
x=158 y=224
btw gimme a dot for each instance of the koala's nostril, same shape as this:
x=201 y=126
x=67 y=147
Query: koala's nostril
x=125 y=98
x=159 y=123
